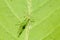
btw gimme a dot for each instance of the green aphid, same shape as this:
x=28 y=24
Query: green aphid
x=23 y=25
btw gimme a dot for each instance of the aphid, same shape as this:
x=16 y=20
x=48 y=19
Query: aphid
x=23 y=25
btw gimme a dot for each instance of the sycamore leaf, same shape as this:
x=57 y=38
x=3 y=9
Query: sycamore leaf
x=44 y=13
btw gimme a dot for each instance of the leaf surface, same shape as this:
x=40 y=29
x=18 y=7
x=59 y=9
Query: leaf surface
x=44 y=13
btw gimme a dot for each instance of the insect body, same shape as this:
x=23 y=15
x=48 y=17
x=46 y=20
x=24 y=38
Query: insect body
x=23 y=25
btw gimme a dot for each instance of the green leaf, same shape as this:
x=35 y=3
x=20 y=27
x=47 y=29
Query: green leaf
x=44 y=13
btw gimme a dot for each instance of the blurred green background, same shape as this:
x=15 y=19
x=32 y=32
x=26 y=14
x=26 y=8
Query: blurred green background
x=45 y=14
